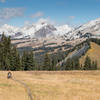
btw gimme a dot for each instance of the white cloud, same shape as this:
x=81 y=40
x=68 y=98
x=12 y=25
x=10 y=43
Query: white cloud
x=39 y=21
x=3 y=1
x=27 y=23
x=38 y=14
x=9 y=13
x=46 y=20
x=72 y=17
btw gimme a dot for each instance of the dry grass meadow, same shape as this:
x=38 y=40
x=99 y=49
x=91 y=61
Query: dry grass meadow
x=68 y=85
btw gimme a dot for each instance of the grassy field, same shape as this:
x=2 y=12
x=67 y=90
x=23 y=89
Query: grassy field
x=69 y=85
x=93 y=53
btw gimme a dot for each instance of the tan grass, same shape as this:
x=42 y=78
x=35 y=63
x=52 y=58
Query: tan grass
x=70 y=85
x=10 y=90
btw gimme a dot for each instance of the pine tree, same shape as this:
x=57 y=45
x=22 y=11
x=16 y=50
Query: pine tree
x=28 y=62
x=47 y=63
x=9 y=56
x=1 y=56
x=31 y=61
x=76 y=63
x=87 y=63
x=68 y=64
x=72 y=64
x=6 y=47
x=24 y=61
x=53 y=62
x=15 y=63
x=94 y=65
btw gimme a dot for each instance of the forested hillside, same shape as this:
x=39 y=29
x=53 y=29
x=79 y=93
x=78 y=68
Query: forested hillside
x=11 y=59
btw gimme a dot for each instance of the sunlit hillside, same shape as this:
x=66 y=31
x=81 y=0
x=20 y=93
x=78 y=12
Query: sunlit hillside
x=93 y=53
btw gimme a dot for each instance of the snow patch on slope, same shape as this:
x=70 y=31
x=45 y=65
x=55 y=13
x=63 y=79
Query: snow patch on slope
x=61 y=30
x=92 y=28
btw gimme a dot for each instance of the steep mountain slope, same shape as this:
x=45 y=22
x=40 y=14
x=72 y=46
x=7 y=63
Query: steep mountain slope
x=91 y=28
x=93 y=53
x=45 y=31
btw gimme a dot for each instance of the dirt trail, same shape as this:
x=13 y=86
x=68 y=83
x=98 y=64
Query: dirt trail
x=26 y=87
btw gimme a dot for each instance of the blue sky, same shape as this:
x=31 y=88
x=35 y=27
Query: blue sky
x=72 y=12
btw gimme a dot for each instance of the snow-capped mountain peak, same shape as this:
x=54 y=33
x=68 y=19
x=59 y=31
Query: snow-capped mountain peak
x=33 y=29
x=8 y=30
x=42 y=29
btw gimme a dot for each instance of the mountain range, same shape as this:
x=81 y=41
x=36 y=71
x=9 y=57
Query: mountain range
x=37 y=30
x=45 y=34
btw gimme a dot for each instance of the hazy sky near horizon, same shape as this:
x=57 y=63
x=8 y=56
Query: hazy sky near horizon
x=72 y=12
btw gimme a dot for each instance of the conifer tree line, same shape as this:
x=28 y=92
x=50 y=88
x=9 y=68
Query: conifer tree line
x=74 y=64
x=10 y=59
x=95 y=40
x=89 y=64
